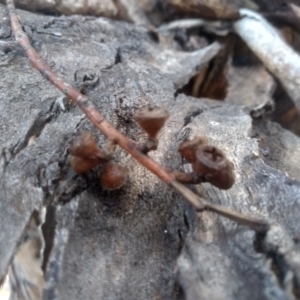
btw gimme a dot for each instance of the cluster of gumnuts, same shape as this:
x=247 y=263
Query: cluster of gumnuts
x=209 y=163
x=86 y=155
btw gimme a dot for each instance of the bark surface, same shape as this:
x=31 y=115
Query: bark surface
x=143 y=241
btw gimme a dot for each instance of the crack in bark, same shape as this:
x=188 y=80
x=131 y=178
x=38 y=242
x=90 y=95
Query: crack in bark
x=34 y=131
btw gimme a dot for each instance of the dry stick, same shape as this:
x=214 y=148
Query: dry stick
x=112 y=133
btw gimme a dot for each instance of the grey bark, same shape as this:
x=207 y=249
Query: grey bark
x=143 y=241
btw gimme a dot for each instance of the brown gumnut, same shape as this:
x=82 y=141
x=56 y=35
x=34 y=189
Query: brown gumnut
x=152 y=119
x=85 y=146
x=188 y=149
x=113 y=176
x=82 y=165
x=212 y=164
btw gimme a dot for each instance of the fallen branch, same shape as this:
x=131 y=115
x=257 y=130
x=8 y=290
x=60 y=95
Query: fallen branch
x=114 y=135
x=278 y=57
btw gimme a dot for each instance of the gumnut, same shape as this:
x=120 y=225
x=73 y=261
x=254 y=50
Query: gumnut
x=113 y=176
x=188 y=149
x=212 y=164
x=85 y=146
x=152 y=119
x=82 y=165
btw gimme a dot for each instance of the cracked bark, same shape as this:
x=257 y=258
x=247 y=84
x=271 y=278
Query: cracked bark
x=129 y=243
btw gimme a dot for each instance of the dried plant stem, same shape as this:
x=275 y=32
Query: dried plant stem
x=268 y=45
x=256 y=224
x=113 y=134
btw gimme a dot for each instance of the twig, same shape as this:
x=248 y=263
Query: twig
x=113 y=134
x=220 y=28
x=267 y=44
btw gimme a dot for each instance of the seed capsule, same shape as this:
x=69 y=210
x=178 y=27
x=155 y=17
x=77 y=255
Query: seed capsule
x=152 y=119
x=212 y=164
x=85 y=146
x=223 y=179
x=188 y=148
x=82 y=165
x=113 y=176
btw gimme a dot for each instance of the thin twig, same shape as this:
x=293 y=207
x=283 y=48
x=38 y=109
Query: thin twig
x=113 y=134
x=268 y=45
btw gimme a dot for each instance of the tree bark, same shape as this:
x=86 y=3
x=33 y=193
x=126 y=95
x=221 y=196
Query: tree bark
x=142 y=241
